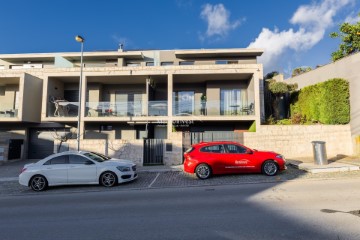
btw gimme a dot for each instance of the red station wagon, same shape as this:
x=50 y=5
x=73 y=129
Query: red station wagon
x=207 y=158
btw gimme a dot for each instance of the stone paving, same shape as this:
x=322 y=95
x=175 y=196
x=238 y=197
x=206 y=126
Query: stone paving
x=174 y=179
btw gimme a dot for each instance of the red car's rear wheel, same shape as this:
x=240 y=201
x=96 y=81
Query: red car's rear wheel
x=203 y=171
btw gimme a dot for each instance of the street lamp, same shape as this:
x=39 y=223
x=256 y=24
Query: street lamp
x=80 y=40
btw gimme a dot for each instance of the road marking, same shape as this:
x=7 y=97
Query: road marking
x=157 y=175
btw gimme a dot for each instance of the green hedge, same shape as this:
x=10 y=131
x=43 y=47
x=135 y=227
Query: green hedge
x=326 y=102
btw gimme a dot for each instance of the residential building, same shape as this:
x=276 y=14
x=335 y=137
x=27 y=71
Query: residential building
x=125 y=95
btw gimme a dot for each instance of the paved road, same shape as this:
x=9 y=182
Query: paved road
x=285 y=210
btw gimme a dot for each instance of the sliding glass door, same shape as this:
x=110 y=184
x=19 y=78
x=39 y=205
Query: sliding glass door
x=232 y=101
x=183 y=102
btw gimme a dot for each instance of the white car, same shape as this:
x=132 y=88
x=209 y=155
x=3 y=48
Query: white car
x=72 y=167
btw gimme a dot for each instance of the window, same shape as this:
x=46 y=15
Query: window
x=184 y=102
x=132 y=64
x=226 y=62
x=231 y=148
x=149 y=63
x=64 y=159
x=232 y=100
x=213 y=149
x=167 y=63
x=95 y=157
x=186 y=63
x=76 y=159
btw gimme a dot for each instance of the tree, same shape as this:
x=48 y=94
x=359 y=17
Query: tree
x=350 y=40
x=300 y=70
x=279 y=90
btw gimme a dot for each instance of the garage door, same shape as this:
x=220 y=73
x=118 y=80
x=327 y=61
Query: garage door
x=41 y=143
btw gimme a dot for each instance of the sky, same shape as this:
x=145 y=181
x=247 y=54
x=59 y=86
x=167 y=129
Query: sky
x=293 y=33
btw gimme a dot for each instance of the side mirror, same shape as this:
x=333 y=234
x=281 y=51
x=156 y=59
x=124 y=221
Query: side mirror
x=89 y=162
x=248 y=151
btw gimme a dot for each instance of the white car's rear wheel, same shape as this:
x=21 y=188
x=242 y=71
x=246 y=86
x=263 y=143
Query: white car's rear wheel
x=38 y=183
x=108 y=179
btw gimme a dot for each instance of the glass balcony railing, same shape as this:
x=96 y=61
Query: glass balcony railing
x=125 y=109
x=8 y=113
x=63 y=108
x=158 y=108
x=212 y=108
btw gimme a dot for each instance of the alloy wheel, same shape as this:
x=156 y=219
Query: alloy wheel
x=203 y=171
x=270 y=168
x=38 y=183
x=108 y=179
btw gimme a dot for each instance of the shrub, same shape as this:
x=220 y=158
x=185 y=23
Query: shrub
x=252 y=128
x=326 y=102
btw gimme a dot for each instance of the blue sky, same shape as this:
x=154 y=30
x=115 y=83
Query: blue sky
x=293 y=33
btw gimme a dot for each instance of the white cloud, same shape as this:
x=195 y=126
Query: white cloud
x=313 y=20
x=353 y=18
x=218 y=20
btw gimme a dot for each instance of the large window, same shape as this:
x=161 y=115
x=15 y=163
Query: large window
x=183 y=102
x=128 y=103
x=232 y=100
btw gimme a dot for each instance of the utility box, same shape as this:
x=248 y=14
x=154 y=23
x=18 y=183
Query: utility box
x=319 y=151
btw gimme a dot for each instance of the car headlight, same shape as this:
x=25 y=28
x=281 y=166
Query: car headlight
x=281 y=157
x=123 y=168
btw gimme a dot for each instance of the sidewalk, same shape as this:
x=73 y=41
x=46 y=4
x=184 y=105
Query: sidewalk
x=339 y=163
x=10 y=170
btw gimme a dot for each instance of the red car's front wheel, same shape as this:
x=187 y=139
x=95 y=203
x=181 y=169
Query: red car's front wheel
x=270 y=168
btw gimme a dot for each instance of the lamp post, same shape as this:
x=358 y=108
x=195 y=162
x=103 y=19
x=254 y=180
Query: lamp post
x=80 y=40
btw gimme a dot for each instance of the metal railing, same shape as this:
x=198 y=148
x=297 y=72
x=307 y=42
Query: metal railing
x=62 y=108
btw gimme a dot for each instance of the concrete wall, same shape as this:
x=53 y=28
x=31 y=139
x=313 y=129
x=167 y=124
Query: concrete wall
x=347 y=68
x=7 y=100
x=31 y=98
x=295 y=140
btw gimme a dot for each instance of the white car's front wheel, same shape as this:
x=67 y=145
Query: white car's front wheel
x=108 y=179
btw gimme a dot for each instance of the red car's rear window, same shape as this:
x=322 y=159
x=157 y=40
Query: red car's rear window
x=189 y=150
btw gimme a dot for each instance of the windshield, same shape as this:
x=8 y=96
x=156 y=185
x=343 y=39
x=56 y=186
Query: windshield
x=96 y=156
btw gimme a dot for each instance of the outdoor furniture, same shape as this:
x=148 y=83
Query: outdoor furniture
x=234 y=109
x=248 y=109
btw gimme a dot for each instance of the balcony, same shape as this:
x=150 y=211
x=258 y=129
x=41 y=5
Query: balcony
x=62 y=108
x=9 y=113
x=213 y=108
x=9 y=98
x=126 y=109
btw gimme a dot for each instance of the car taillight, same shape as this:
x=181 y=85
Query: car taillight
x=23 y=170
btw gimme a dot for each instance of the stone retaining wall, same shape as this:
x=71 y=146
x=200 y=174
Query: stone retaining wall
x=127 y=149
x=295 y=140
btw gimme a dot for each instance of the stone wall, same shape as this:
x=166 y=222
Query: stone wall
x=295 y=140
x=126 y=149
x=347 y=68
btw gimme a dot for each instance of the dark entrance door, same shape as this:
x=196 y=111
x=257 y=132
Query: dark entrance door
x=153 y=152
x=15 y=148
x=41 y=143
